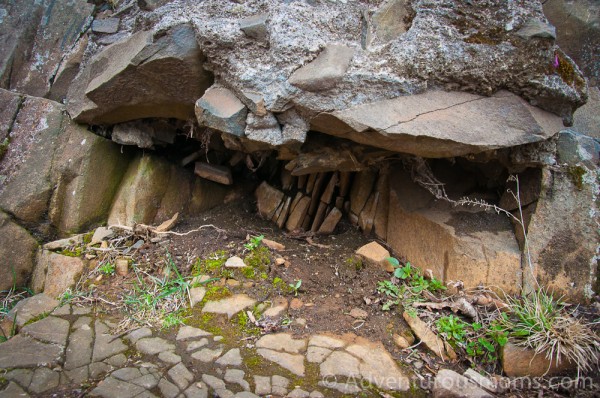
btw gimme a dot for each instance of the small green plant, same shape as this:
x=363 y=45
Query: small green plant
x=172 y=319
x=107 y=269
x=296 y=286
x=453 y=329
x=4 y=147
x=254 y=243
x=259 y=259
x=211 y=264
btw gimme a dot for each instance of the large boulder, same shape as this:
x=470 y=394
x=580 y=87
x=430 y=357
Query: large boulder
x=17 y=254
x=26 y=185
x=442 y=124
x=55 y=172
x=456 y=243
x=146 y=75
x=563 y=232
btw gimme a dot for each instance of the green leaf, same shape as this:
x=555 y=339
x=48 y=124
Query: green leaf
x=393 y=261
x=476 y=326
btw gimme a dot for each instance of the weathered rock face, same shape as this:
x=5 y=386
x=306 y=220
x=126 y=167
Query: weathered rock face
x=153 y=190
x=56 y=172
x=442 y=124
x=17 y=249
x=35 y=34
x=456 y=243
x=146 y=75
x=578 y=32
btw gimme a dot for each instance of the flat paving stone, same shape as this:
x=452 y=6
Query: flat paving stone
x=197 y=295
x=317 y=354
x=340 y=364
x=181 y=376
x=97 y=369
x=169 y=357
x=190 y=332
x=106 y=345
x=282 y=342
x=32 y=307
x=44 y=379
x=80 y=310
x=230 y=305
x=344 y=388
x=62 y=310
x=25 y=352
x=13 y=390
x=113 y=388
x=232 y=357
x=153 y=345
x=378 y=367
x=236 y=376
x=194 y=391
x=78 y=375
x=326 y=342
x=262 y=385
x=292 y=362
x=194 y=345
x=279 y=385
x=208 y=354
x=20 y=376
x=118 y=361
x=245 y=394
x=127 y=374
x=214 y=382
x=298 y=393
x=50 y=329
x=79 y=350
x=137 y=334
x=168 y=389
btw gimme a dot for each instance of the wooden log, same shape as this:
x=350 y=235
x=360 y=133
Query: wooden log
x=220 y=174
x=298 y=214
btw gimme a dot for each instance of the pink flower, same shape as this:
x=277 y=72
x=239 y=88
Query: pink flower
x=556 y=62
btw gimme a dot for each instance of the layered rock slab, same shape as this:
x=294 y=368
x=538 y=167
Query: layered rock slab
x=439 y=124
x=145 y=75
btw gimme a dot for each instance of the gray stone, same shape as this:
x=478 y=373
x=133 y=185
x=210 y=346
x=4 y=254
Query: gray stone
x=13 y=390
x=81 y=310
x=377 y=366
x=79 y=350
x=118 y=361
x=231 y=358
x=298 y=393
x=316 y=394
x=113 y=388
x=326 y=71
x=190 y=332
x=25 y=352
x=168 y=389
x=50 y=330
x=194 y=345
x=221 y=110
x=230 y=305
x=255 y=26
x=262 y=385
x=106 y=25
x=97 y=369
x=127 y=374
x=100 y=234
x=65 y=309
x=282 y=342
x=534 y=28
x=181 y=376
x=137 y=334
x=44 y=379
x=78 y=375
x=245 y=394
x=106 y=345
x=264 y=129
x=340 y=363
x=344 y=388
x=18 y=246
x=214 y=382
x=224 y=393
x=574 y=148
x=20 y=376
x=131 y=134
x=317 y=354
x=153 y=345
x=449 y=384
x=123 y=92
x=292 y=362
x=442 y=119
x=196 y=392
x=237 y=376
x=389 y=21
x=169 y=357
x=207 y=354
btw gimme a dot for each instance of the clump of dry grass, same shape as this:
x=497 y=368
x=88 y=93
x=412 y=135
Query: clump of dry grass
x=540 y=322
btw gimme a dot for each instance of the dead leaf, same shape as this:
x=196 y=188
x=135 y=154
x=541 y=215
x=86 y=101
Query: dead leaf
x=167 y=225
x=271 y=244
